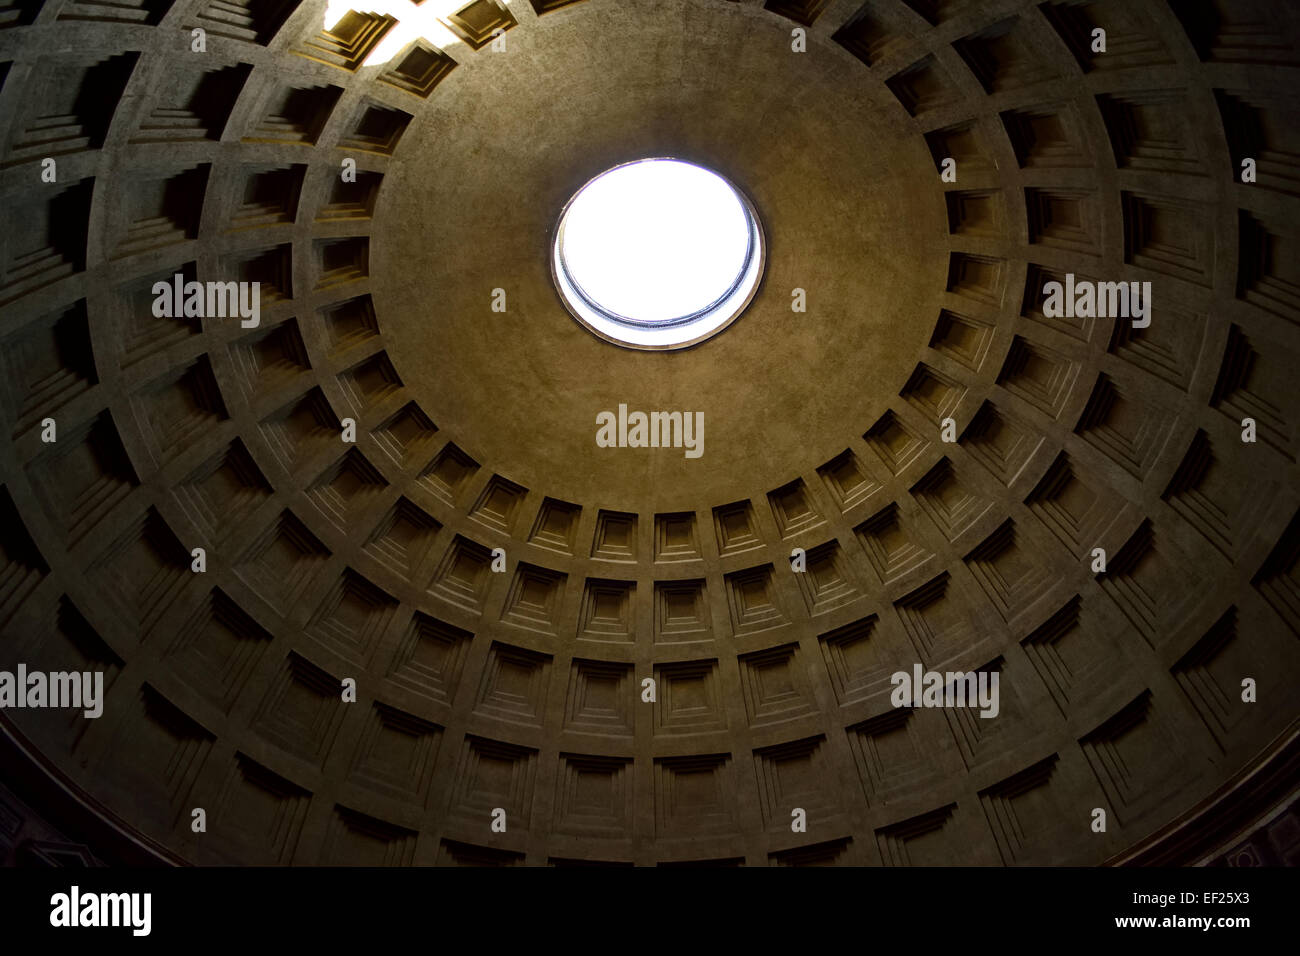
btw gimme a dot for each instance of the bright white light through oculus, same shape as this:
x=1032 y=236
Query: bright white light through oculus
x=657 y=254
x=656 y=241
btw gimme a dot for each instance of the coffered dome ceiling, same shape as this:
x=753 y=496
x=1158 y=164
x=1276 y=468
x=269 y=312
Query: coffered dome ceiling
x=475 y=429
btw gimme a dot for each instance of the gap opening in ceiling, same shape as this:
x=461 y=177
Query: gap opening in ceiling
x=657 y=254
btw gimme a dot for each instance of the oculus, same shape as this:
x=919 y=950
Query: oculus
x=657 y=254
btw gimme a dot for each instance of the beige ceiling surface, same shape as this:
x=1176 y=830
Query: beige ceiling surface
x=841 y=182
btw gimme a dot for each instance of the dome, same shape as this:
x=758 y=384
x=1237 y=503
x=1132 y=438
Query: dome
x=393 y=491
